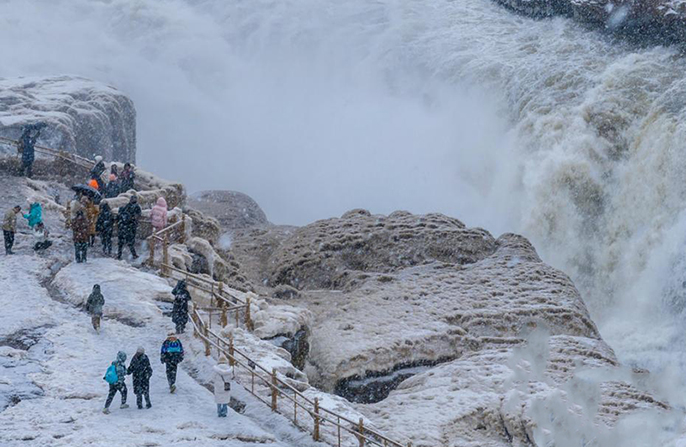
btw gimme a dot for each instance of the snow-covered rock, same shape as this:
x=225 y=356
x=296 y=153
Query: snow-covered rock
x=325 y=254
x=83 y=116
x=130 y=295
x=233 y=210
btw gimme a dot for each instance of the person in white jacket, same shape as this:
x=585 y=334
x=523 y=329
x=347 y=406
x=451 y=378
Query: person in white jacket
x=222 y=386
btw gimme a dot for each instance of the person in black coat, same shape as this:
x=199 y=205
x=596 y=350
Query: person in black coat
x=142 y=371
x=180 y=309
x=97 y=171
x=127 y=178
x=127 y=225
x=105 y=227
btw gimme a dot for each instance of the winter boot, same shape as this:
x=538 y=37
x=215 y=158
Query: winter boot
x=172 y=388
x=106 y=410
x=124 y=406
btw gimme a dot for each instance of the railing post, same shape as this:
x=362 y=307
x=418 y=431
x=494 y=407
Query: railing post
x=248 y=319
x=274 y=389
x=67 y=216
x=183 y=228
x=361 y=430
x=152 y=242
x=207 y=343
x=165 y=255
x=315 y=432
x=232 y=361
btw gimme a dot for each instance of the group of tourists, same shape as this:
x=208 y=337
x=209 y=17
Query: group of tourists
x=171 y=355
x=35 y=223
x=117 y=183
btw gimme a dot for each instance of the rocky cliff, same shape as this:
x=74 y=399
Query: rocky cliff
x=644 y=20
x=445 y=335
x=82 y=116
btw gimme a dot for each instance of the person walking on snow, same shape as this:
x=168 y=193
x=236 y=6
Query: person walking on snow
x=119 y=384
x=79 y=226
x=94 y=306
x=127 y=225
x=180 y=309
x=171 y=355
x=105 y=227
x=9 y=227
x=222 y=386
x=142 y=371
x=35 y=215
x=158 y=215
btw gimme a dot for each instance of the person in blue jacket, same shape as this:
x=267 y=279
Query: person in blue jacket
x=120 y=384
x=35 y=215
x=171 y=355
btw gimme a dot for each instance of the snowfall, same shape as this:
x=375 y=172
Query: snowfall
x=52 y=362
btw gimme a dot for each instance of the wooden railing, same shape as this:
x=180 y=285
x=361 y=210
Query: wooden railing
x=326 y=425
x=60 y=155
x=163 y=236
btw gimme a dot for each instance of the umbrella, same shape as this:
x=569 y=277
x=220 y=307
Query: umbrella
x=88 y=191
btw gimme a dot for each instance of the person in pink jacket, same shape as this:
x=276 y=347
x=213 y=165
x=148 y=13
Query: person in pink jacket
x=158 y=214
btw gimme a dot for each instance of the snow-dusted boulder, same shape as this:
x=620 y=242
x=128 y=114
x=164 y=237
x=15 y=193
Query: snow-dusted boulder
x=84 y=117
x=130 y=294
x=233 y=210
x=325 y=254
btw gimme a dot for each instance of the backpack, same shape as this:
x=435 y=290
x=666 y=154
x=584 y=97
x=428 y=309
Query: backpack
x=227 y=385
x=111 y=375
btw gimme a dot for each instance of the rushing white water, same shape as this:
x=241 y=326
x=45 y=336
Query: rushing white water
x=317 y=106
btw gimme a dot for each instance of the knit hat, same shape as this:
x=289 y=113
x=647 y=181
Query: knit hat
x=223 y=361
x=140 y=350
x=98 y=158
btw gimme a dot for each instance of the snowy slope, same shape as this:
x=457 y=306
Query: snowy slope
x=74 y=358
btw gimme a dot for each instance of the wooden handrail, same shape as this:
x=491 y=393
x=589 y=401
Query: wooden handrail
x=67 y=156
x=363 y=435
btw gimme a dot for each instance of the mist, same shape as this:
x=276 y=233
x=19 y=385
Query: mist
x=309 y=123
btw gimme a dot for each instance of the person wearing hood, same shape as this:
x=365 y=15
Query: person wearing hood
x=127 y=225
x=94 y=306
x=127 y=178
x=180 y=309
x=27 y=144
x=105 y=227
x=9 y=227
x=158 y=215
x=142 y=371
x=92 y=213
x=171 y=355
x=35 y=215
x=222 y=386
x=112 y=188
x=97 y=171
x=120 y=385
x=80 y=227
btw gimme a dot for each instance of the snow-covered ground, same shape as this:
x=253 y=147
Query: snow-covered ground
x=67 y=364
